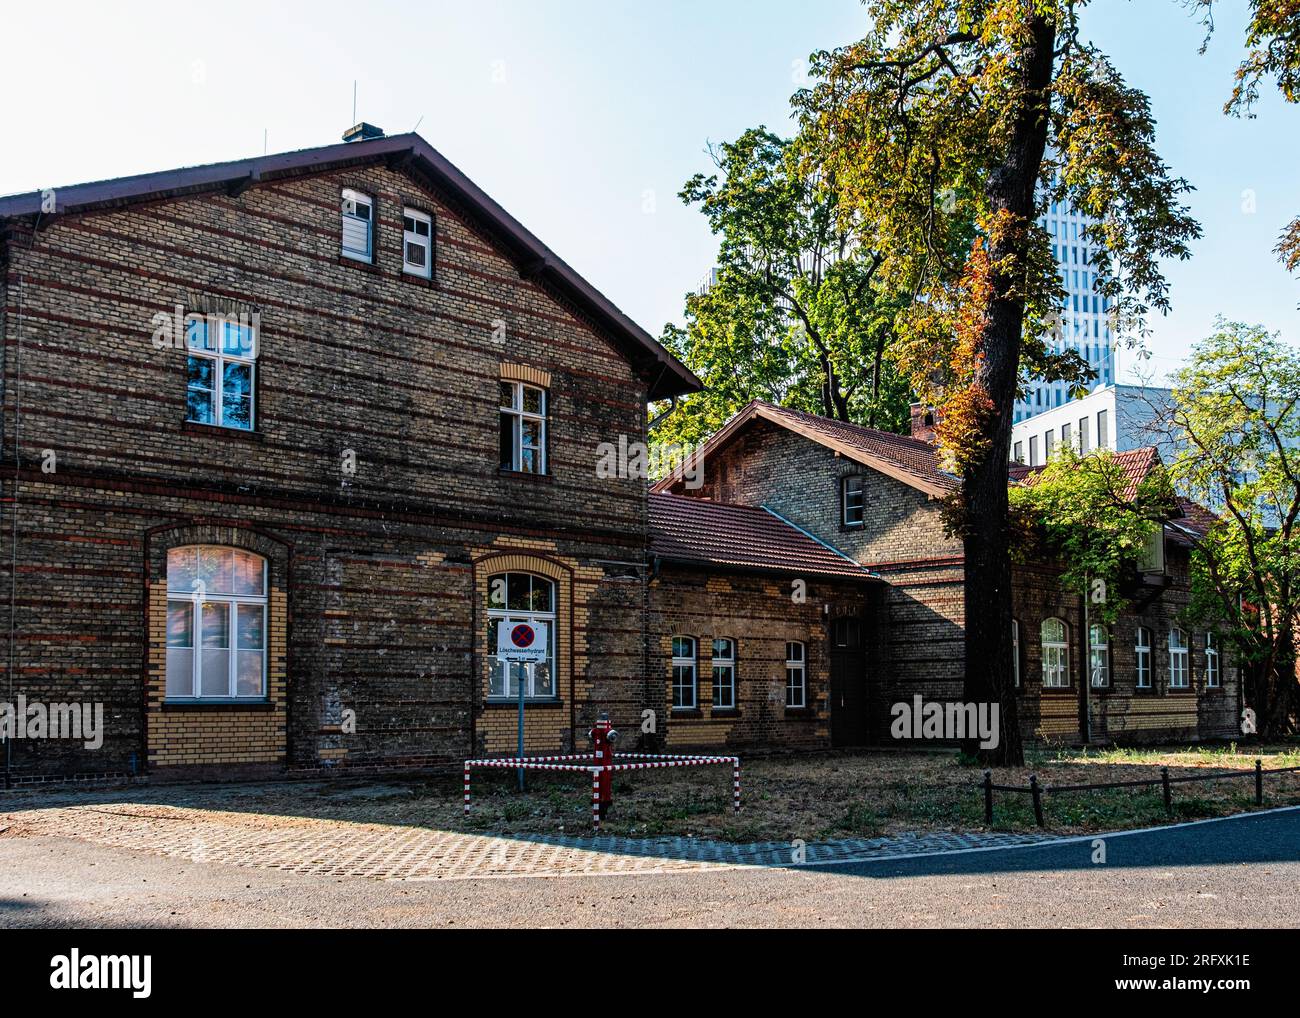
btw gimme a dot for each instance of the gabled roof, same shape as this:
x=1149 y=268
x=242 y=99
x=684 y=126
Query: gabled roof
x=910 y=460
x=406 y=152
x=695 y=531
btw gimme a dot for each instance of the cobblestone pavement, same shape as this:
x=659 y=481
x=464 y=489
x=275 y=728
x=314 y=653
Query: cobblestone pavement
x=194 y=826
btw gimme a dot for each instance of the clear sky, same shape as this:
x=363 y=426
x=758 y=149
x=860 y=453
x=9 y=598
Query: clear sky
x=585 y=118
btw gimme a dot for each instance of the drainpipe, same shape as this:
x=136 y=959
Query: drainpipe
x=1085 y=689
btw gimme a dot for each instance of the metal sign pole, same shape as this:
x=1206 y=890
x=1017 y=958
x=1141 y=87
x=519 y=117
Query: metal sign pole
x=528 y=674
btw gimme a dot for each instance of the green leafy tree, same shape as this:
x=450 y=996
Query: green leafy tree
x=958 y=111
x=795 y=314
x=1272 y=52
x=1082 y=512
x=1236 y=418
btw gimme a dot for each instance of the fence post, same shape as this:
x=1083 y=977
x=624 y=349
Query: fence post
x=1164 y=781
x=1259 y=782
x=988 y=798
x=1037 y=793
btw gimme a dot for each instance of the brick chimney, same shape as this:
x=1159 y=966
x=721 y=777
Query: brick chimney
x=363 y=132
x=923 y=423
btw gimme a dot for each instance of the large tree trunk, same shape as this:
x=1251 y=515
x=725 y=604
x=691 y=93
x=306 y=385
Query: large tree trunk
x=1011 y=187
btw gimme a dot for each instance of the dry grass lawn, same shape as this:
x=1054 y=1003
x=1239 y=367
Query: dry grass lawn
x=874 y=794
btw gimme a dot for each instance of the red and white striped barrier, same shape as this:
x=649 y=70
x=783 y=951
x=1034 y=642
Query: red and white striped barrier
x=635 y=762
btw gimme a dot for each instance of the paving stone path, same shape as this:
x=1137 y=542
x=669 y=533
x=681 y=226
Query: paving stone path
x=193 y=826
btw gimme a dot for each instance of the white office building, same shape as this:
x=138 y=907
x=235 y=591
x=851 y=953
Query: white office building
x=1115 y=417
x=1084 y=323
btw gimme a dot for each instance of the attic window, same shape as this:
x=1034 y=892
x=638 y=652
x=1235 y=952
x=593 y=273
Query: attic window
x=417 y=243
x=358 y=226
x=854 y=501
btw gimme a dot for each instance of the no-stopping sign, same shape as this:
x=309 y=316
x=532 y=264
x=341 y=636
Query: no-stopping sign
x=521 y=641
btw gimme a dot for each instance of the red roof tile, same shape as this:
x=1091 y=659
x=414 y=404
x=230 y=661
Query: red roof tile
x=1134 y=464
x=684 y=529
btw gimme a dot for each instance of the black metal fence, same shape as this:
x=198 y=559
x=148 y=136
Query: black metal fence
x=1037 y=791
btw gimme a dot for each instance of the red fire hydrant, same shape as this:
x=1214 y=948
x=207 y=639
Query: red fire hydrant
x=603 y=738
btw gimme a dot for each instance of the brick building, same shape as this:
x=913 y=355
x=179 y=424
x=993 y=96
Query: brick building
x=285 y=439
x=874 y=497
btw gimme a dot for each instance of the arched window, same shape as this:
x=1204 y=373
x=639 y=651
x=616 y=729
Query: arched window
x=1142 y=652
x=684 y=674
x=1099 y=656
x=521 y=597
x=1056 y=655
x=1178 y=675
x=216 y=624
x=724 y=674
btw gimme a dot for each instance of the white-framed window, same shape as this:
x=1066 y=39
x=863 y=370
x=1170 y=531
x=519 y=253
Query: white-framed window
x=220 y=372
x=216 y=624
x=1212 y=675
x=1142 y=654
x=796 y=674
x=685 y=686
x=1098 y=656
x=1015 y=651
x=1056 y=654
x=724 y=674
x=523 y=427
x=358 y=225
x=1178 y=673
x=854 y=501
x=521 y=597
x=417 y=243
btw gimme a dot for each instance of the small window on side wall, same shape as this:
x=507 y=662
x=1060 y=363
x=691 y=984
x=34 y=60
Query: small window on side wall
x=358 y=226
x=854 y=501
x=796 y=675
x=417 y=244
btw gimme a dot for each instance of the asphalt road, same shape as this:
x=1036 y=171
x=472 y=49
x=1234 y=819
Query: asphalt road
x=1237 y=872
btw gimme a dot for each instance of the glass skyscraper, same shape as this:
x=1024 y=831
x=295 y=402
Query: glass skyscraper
x=1084 y=324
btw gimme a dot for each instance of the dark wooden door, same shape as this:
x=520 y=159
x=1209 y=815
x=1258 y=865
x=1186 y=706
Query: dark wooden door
x=849 y=726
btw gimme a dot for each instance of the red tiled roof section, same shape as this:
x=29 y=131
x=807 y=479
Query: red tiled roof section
x=684 y=529
x=912 y=455
x=1134 y=466
x=1195 y=516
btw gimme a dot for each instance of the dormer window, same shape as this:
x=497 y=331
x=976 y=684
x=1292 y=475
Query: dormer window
x=358 y=226
x=853 y=501
x=417 y=244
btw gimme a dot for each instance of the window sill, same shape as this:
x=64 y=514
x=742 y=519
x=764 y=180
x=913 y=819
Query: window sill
x=496 y=702
x=220 y=431
x=219 y=705
x=359 y=263
x=724 y=712
x=686 y=712
x=427 y=282
x=525 y=475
